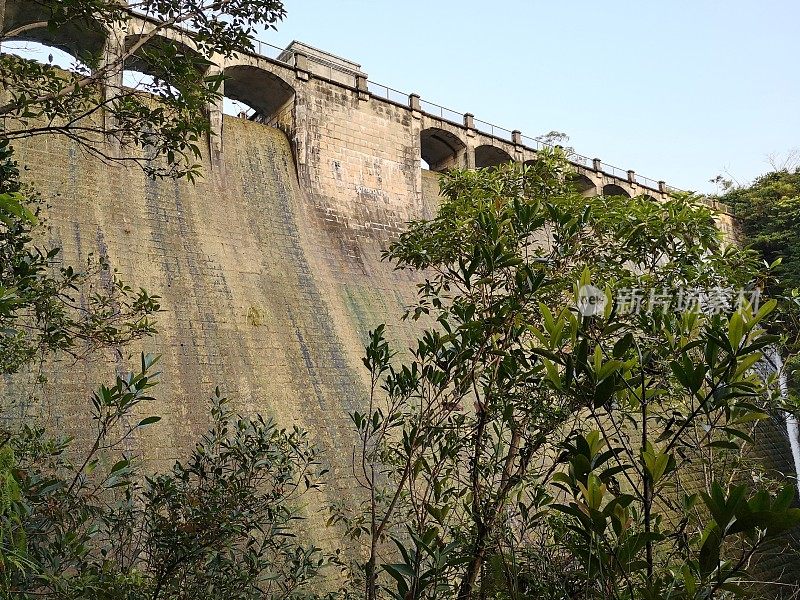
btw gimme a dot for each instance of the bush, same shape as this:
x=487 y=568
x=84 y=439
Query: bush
x=222 y=524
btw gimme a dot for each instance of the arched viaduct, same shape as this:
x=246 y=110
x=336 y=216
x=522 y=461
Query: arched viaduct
x=345 y=131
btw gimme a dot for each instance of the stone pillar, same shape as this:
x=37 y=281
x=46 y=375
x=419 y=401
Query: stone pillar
x=597 y=165
x=469 y=153
x=662 y=187
x=631 y=176
x=215 y=116
x=301 y=139
x=416 y=144
x=363 y=87
x=469 y=121
x=301 y=66
x=516 y=139
x=111 y=61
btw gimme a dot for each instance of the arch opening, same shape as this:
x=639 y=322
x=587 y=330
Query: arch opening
x=257 y=94
x=582 y=184
x=144 y=82
x=46 y=54
x=238 y=109
x=439 y=149
x=490 y=156
x=161 y=65
x=82 y=39
x=612 y=189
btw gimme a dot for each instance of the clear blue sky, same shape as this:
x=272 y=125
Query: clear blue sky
x=676 y=89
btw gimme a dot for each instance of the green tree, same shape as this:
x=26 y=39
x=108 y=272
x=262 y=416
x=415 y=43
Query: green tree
x=224 y=524
x=538 y=415
x=768 y=213
x=218 y=525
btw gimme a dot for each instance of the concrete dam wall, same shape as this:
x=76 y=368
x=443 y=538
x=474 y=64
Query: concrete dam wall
x=264 y=293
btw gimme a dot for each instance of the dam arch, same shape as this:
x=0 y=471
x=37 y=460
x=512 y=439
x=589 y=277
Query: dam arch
x=84 y=39
x=488 y=155
x=440 y=149
x=612 y=189
x=583 y=184
x=141 y=62
x=268 y=94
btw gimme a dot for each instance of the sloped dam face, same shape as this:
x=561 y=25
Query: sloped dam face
x=265 y=293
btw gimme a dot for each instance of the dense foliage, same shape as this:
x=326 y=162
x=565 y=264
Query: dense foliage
x=768 y=213
x=218 y=525
x=539 y=441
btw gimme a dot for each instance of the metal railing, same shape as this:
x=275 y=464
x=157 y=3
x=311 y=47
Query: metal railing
x=436 y=110
x=584 y=161
x=534 y=144
x=646 y=182
x=379 y=90
x=382 y=91
x=274 y=52
x=615 y=171
x=493 y=130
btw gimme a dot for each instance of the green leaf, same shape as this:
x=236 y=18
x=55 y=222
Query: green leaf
x=119 y=465
x=724 y=445
x=735 y=330
x=765 y=309
x=746 y=363
x=710 y=551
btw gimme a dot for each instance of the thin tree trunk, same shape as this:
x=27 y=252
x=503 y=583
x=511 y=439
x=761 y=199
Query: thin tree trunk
x=466 y=589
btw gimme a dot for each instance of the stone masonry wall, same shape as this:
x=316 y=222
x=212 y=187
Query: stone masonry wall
x=267 y=291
